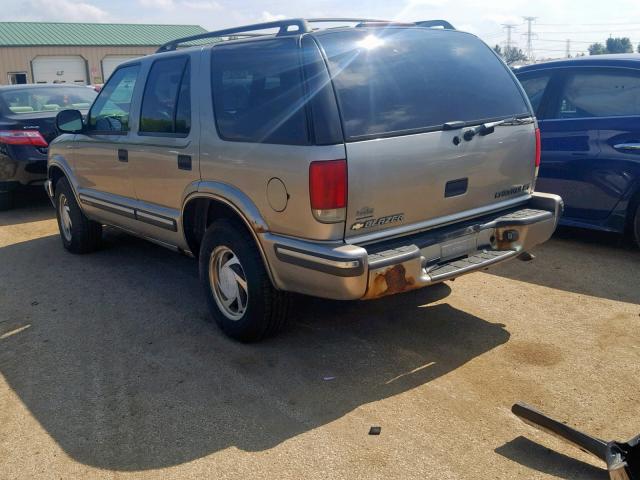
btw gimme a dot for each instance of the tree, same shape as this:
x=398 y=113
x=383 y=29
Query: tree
x=597 y=49
x=639 y=48
x=510 y=54
x=513 y=54
x=613 y=45
x=619 y=45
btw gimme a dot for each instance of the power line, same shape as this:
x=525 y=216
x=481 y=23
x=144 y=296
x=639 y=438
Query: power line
x=586 y=24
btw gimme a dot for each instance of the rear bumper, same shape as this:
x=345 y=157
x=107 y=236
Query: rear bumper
x=347 y=272
x=22 y=166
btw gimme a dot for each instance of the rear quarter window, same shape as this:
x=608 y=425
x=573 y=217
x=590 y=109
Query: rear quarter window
x=403 y=80
x=258 y=94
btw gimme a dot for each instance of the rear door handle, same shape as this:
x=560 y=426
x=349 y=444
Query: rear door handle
x=123 y=155
x=632 y=146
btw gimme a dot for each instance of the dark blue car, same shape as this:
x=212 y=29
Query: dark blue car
x=588 y=109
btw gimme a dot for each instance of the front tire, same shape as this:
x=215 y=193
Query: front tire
x=240 y=296
x=78 y=233
x=636 y=226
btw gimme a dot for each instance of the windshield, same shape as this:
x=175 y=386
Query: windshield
x=403 y=80
x=43 y=99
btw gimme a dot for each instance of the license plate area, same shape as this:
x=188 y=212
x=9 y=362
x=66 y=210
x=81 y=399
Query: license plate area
x=459 y=247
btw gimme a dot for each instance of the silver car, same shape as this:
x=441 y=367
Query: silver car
x=350 y=162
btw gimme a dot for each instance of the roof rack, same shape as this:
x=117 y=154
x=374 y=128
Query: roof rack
x=285 y=28
x=436 y=23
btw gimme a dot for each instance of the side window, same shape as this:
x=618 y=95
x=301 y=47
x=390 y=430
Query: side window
x=258 y=94
x=110 y=112
x=166 y=103
x=599 y=94
x=535 y=85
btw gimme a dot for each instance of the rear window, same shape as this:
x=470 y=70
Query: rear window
x=258 y=94
x=403 y=80
x=43 y=99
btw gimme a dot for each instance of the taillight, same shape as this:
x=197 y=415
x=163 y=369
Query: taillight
x=328 y=190
x=22 y=137
x=538 y=147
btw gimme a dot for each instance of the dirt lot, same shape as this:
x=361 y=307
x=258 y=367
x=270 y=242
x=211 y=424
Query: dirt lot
x=109 y=369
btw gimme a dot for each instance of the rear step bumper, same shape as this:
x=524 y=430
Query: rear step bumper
x=343 y=271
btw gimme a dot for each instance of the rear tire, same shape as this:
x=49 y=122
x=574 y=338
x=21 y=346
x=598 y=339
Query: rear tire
x=78 y=233
x=6 y=201
x=636 y=226
x=240 y=296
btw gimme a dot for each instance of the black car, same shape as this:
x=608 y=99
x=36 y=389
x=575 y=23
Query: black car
x=27 y=125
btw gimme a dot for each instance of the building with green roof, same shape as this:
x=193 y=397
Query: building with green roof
x=81 y=53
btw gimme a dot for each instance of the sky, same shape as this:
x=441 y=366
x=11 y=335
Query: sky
x=582 y=22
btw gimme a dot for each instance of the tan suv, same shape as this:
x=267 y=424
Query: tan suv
x=346 y=163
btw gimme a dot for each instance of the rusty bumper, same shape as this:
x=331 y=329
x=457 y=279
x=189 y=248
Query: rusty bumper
x=347 y=272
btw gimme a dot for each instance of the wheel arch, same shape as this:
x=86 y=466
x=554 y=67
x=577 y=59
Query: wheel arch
x=200 y=209
x=632 y=206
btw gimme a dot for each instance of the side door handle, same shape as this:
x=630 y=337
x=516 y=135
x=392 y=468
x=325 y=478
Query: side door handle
x=123 y=155
x=628 y=147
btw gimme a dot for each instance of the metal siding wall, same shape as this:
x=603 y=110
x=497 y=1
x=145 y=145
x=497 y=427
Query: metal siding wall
x=18 y=59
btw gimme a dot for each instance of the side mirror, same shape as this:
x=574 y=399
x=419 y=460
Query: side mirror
x=69 y=121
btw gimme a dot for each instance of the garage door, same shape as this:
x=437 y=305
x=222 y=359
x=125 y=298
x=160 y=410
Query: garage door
x=59 y=69
x=110 y=62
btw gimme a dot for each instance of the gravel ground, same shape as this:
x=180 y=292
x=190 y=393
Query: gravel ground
x=109 y=369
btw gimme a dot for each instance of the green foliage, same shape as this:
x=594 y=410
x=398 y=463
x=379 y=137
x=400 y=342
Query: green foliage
x=613 y=45
x=510 y=54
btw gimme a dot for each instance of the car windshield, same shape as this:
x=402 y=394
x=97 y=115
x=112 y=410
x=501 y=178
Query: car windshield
x=42 y=99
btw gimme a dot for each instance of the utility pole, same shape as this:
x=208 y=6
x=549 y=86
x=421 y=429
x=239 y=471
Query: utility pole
x=530 y=36
x=568 y=51
x=509 y=27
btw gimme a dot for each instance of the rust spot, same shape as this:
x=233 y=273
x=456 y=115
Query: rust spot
x=259 y=228
x=393 y=280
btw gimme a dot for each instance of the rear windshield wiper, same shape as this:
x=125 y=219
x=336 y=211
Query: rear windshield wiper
x=489 y=127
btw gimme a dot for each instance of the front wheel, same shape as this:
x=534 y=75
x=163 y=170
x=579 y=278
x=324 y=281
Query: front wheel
x=78 y=233
x=636 y=226
x=241 y=298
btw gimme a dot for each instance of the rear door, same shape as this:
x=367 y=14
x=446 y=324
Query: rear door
x=590 y=127
x=163 y=153
x=397 y=88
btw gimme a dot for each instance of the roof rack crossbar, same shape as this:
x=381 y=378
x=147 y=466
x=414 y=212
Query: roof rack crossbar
x=283 y=27
x=345 y=20
x=436 y=23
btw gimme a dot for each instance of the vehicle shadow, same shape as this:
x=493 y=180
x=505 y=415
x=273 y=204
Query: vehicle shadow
x=582 y=261
x=30 y=205
x=120 y=368
x=537 y=457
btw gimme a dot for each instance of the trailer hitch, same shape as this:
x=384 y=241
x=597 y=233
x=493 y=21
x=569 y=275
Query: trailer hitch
x=622 y=459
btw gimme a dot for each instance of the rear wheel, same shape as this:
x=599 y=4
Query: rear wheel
x=78 y=233
x=241 y=298
x=5 y=200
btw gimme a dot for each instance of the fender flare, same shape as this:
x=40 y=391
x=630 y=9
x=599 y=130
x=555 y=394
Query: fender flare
x=237 y=201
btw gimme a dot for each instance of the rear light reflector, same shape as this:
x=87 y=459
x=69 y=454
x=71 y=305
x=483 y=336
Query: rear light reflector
x=538 y=147
x=328 y=190
x=22 y=137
